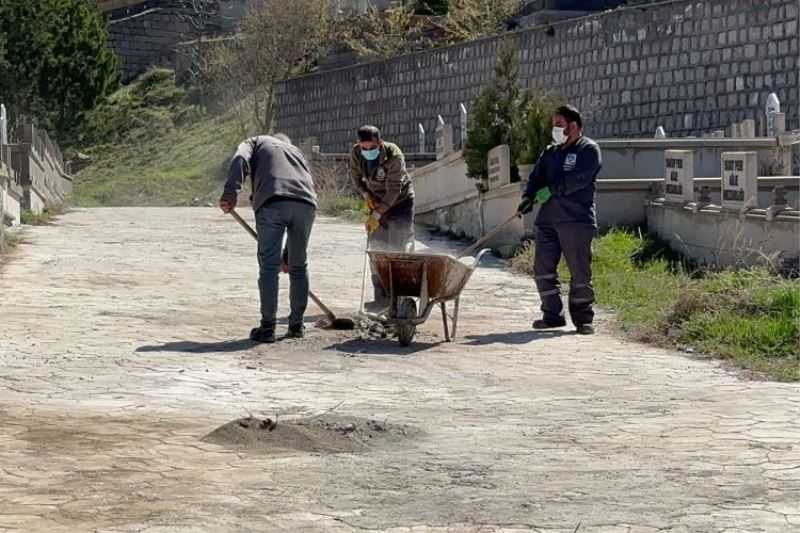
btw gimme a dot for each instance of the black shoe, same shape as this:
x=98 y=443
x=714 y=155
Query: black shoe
x=585 y=329
x=263 y=334
x=549 y=324
x=296 y=331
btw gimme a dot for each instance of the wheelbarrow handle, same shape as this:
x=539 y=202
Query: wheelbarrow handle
x=480 y=242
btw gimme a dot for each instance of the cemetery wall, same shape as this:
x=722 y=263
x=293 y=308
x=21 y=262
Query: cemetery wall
x=145 y=33
x=690 y=66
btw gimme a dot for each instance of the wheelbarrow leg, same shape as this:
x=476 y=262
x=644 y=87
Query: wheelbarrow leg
x=444 y=319
x=455 y=317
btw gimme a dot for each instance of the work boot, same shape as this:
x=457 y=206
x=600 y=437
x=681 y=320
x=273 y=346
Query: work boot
x=585 y=329
x=549 y=324
x=296 y=331
x=263 y=333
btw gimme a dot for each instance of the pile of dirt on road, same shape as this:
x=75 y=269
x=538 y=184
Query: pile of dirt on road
x=322 y=434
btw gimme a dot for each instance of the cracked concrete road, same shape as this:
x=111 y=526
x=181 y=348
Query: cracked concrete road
x=121 y=346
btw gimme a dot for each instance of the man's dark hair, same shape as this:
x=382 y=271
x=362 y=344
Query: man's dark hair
x=369 y=133
x=570 y=113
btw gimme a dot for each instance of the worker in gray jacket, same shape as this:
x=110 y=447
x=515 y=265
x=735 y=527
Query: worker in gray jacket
x=378 y=172
x=563 y=182
x=285 y=203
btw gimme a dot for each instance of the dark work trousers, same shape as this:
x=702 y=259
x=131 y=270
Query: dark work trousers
x=395 y=234
x=275 y=219
x=574 y=242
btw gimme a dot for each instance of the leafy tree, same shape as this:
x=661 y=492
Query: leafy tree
x=495 y=115
x=536 y=127
x=59 y=65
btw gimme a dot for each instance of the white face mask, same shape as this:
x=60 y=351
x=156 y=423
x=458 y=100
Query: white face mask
x=559 y=137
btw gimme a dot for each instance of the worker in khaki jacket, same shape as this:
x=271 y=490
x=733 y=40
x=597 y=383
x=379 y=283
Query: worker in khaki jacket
x=378 y=171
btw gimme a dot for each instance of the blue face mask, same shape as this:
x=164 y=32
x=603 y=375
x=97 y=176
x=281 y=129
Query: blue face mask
x=371 y=155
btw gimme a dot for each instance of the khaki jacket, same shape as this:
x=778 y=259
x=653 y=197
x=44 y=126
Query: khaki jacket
x=389 y=182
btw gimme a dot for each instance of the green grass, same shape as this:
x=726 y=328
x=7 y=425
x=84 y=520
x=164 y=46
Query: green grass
x=48 y=213
x=344 y=207
x=150 y=147
x=14 y=239
x=749 y=317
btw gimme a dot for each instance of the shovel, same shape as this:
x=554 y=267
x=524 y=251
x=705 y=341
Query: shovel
x=336 y=322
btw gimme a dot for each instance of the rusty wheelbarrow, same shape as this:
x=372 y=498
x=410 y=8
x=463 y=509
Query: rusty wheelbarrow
x=418 y=282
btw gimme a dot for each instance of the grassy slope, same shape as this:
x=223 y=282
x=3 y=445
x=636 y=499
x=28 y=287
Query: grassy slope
x=150 y=148
x=749 y=317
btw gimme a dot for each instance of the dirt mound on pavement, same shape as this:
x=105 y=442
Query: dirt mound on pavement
x=324 y=434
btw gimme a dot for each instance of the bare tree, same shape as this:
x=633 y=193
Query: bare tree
x=472 y=19
x=277 y=39
x=197 y=15
x=384 y=33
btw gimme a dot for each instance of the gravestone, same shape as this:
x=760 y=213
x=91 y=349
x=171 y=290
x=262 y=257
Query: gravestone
x=444 y=139
x=679 y=176
x=778 y=123
x=748 y=128
x=3 y=125
x=499 y=166
x=739 y=180
x=463 y=110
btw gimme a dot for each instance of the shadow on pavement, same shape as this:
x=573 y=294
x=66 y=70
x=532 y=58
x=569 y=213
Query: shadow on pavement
x=380 y=347
x=201 y=347
x=515 y=337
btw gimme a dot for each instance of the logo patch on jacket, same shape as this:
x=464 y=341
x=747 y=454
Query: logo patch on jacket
x=381 y=174
x=569 y=163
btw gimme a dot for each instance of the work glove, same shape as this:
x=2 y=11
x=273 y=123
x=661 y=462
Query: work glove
x=372 y=224
x=543 y=195
x=371 y=202
x=526 y=205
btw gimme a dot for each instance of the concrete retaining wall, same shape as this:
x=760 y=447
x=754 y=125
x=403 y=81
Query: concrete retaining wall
x=39 y=165
x=691 y=66
x=721 y=238
x=644 y=158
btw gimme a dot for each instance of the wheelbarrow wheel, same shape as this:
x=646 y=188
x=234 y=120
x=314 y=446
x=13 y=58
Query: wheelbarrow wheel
x=406 y=311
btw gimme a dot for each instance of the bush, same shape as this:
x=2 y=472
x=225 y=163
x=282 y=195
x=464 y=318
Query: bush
x=495 y=115
x=748 y=316
x=535 y=134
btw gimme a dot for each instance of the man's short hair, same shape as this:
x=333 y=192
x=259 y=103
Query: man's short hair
x=369 y=133
x=570 y=113
x=282 y=137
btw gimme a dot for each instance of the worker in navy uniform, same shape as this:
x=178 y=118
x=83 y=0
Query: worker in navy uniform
x=564 y=183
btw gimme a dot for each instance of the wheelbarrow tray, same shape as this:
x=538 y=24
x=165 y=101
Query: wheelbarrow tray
x=435 y=277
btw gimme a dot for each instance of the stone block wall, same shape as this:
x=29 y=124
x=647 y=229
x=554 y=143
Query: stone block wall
x=145 y=34
x=691 y=66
